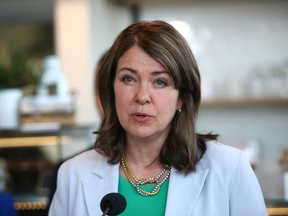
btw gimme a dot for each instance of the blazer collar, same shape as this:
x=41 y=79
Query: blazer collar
x=103 y=180
x=184 y=190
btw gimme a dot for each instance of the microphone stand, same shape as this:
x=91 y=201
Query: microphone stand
x=106 y=210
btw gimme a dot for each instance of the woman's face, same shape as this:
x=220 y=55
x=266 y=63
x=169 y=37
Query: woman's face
x=145 y=95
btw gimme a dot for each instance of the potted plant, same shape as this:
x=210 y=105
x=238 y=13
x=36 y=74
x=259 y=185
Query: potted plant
x=16 y=74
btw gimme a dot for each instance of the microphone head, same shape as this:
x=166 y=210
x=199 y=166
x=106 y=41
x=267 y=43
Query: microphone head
x=115 y=202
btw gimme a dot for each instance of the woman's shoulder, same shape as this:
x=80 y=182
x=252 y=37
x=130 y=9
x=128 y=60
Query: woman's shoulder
x=224 y=162
x=87 y=154
x=217 y=149
x=222 y=155
x=83 y=161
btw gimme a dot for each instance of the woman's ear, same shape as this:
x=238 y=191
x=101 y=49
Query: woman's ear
x=179 y=104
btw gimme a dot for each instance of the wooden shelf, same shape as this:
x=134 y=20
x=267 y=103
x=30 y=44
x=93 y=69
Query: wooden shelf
x=271 y=102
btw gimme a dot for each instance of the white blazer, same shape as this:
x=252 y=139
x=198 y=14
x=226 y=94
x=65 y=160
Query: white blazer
x=224 y=184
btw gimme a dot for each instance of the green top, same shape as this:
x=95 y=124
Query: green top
x=140 y=205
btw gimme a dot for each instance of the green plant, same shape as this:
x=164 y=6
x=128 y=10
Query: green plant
x=17 y=72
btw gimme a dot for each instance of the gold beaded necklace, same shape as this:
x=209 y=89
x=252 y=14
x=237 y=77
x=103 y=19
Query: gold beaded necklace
x=137 y=183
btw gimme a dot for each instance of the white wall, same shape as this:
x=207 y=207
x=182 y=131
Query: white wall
x=236 y=44
x=232 y=40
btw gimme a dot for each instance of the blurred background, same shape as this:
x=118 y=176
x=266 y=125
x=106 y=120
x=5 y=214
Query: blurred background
x=242 y=52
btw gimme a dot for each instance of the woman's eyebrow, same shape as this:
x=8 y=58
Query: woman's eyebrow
x=154 y=73
x=160 y=72
x=127 y=69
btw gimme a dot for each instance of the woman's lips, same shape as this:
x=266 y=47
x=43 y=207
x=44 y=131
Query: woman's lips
x=141 y=117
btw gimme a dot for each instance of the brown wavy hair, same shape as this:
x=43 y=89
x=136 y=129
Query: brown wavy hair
x=183 y=147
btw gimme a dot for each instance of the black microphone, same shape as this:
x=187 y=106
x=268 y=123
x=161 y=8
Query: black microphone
x=113 y=204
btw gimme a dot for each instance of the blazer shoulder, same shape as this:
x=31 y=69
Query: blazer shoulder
x=83 y=161
x=219 y=150
x=221 y=156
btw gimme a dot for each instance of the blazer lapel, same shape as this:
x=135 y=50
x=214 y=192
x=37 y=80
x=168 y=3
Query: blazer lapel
x=184 y=191
x=104 y=180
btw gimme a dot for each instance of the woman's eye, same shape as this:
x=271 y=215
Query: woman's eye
x=161 y=83
x=127 y=79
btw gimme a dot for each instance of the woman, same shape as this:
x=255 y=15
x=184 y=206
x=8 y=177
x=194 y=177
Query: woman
x=147 y=148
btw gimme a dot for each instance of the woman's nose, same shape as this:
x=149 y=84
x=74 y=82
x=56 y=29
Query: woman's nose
x=143 y=95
